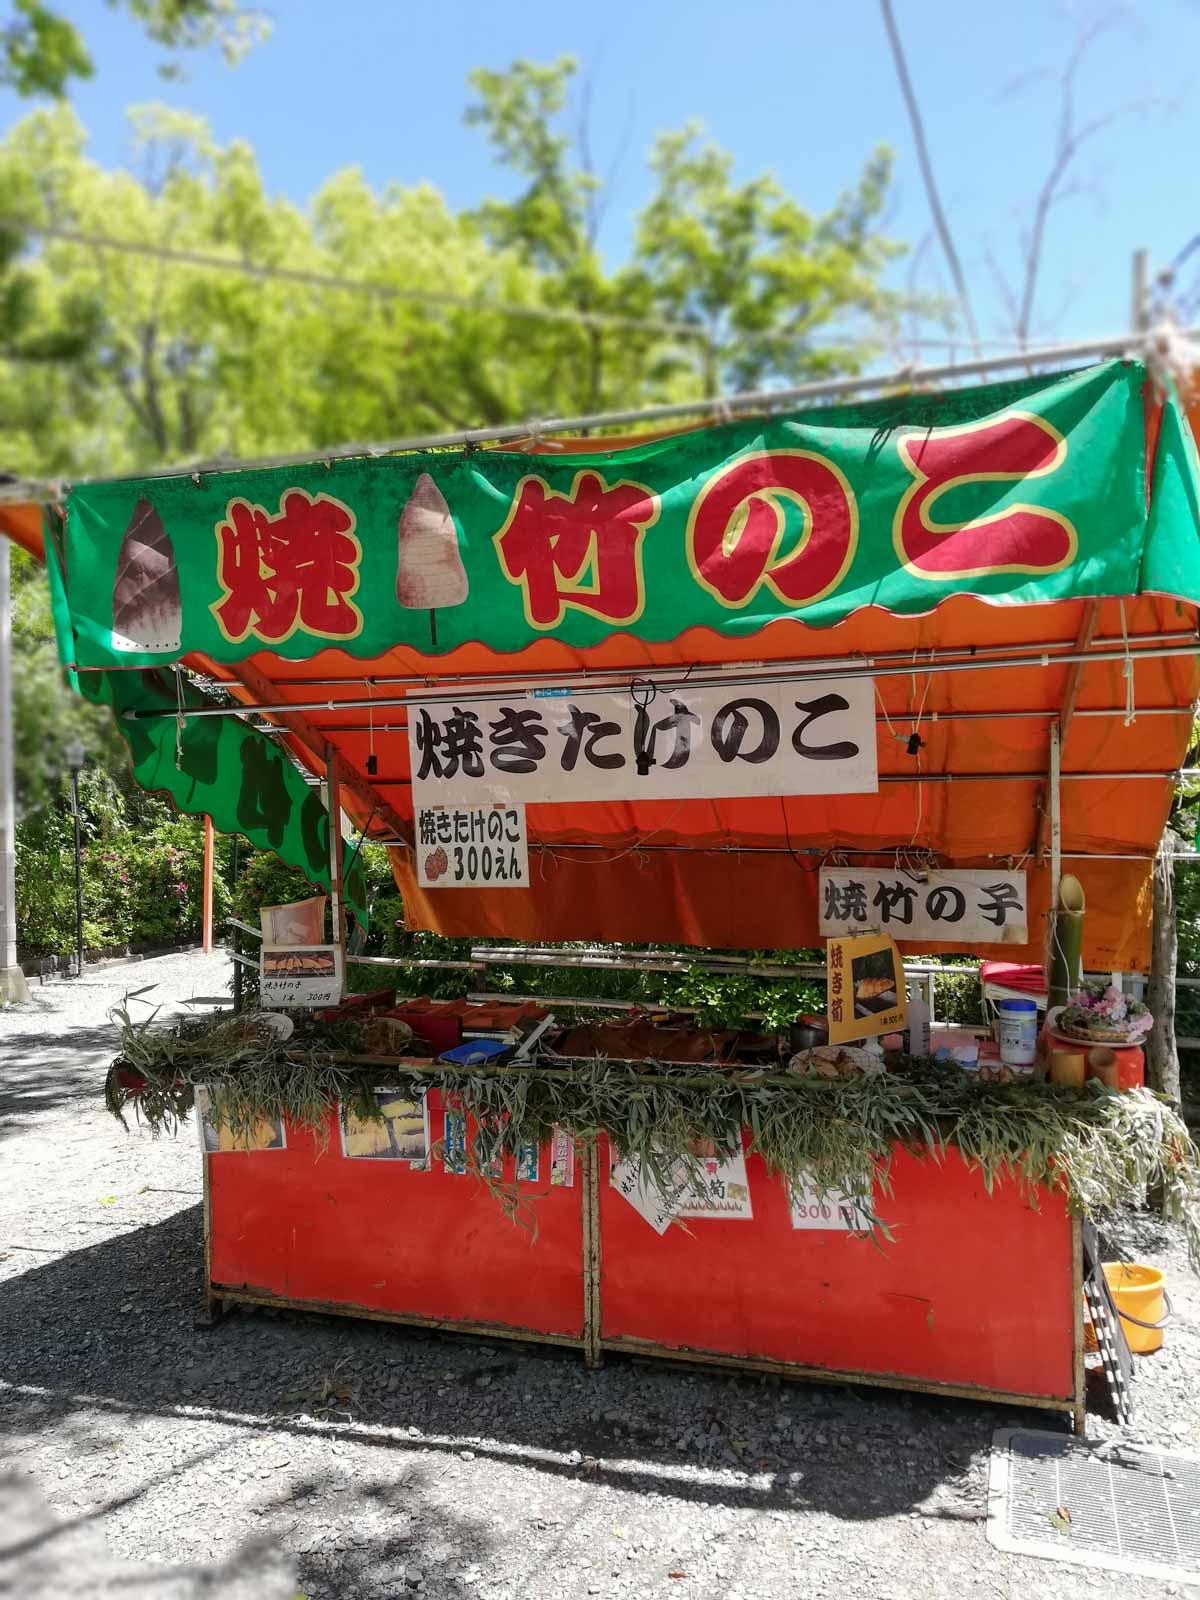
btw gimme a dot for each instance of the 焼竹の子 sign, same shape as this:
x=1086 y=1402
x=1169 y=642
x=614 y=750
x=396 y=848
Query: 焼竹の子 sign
x=646 y=743
x=969 y=906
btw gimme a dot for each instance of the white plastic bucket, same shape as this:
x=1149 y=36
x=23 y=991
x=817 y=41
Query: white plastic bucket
x=1018 y=1032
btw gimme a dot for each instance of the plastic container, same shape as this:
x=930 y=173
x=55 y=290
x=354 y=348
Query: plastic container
x=1018 y=1032
x=1142 y=1300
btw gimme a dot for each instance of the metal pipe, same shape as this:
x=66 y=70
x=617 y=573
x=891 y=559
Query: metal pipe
x=759 y=400
x=732 y=679
x=1048 y=712
x=622 y=674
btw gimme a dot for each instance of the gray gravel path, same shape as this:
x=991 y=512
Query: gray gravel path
x=285 y=1455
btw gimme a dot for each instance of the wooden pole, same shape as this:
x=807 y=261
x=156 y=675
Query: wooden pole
x=1162 y=1053
x=333 y=800
x=206 y=912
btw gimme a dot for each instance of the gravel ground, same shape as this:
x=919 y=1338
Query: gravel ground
x=284 y=1455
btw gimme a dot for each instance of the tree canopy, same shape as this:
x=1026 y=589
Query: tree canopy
x=41 y=51
x=111 y=361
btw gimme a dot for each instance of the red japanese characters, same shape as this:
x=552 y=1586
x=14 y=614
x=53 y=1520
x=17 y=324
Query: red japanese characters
x=582 y=549
x=1021 y=538
x=297 y=569
x=738 y=520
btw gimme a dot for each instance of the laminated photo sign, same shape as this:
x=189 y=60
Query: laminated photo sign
x=866 y=988
x=301 y=975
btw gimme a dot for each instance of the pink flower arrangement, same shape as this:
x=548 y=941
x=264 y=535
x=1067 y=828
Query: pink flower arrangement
x=1100 y=1008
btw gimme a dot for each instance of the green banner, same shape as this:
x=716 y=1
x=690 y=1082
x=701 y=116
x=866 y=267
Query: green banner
x=214 y=766
x=1020 y=492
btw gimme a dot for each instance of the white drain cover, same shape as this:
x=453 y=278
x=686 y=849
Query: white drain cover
x=1111 y=1506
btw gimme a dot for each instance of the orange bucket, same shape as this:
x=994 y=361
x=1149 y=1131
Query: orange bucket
x=1142 y=1301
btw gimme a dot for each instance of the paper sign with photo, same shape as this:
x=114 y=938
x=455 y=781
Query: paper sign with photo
x=832 y=1212
x=267 y=1134
x=399 y=1133
x=301 y=975
x=866 y=988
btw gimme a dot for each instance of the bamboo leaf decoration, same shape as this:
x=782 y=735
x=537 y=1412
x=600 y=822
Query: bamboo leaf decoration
x=1103 y=1148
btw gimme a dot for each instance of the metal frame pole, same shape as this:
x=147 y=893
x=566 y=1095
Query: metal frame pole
x=206 y=897
x=333 y=800
x=12 y=980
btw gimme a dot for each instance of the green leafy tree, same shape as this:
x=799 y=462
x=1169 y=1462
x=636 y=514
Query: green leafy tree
x=41 y=52
x=744 y=267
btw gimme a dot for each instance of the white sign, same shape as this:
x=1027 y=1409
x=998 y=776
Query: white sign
x=659 y=1209
x=722 y=1191
x=472 y=847
x=833 y=1211
x=969 y=907
x=646 y=743
x=301 y=975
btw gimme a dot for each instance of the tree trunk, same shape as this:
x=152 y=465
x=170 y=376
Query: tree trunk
x=1162 y=1057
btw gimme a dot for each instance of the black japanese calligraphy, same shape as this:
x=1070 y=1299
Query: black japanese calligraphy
x=945 y=903
x=1001 y=899
x=822 y=706
x=518 y=740
x=845 y=902
x=583 y=731
x=679 y=725
x=894 y=902
x=450 y=747
x=731 y=725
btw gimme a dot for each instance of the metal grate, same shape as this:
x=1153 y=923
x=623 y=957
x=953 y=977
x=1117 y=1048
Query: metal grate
x=1111 y=1506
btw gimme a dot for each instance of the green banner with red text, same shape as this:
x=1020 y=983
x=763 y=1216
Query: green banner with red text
x=1016 y=492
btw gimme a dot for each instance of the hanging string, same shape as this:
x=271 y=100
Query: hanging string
x=179 y=717
x=1127 y=672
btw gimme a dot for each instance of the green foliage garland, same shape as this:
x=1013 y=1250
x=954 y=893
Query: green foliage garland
x=1105 y=1149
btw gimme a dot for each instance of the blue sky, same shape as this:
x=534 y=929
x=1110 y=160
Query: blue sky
x=804 y=90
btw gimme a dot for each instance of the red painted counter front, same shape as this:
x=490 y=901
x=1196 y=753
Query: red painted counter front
x=312 y=1226
x=976 y=1293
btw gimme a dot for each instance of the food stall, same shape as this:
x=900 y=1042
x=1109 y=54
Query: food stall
x=890 y=667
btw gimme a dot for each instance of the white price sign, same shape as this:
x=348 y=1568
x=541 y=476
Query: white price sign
x=832 y=1211
x=472 y=847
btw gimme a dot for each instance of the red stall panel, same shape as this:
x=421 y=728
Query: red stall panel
x=976 y=1291
x=381 y=1236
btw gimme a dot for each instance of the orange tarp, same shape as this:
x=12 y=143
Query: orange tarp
x=743 y=872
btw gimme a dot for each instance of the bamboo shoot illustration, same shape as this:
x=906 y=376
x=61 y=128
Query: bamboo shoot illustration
x=147 y=610
x=429 y=566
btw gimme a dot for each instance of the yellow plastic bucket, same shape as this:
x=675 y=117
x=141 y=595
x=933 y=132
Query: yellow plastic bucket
x=1142 y=1301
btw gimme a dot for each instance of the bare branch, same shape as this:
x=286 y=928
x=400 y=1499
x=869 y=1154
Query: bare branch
x=931 y=190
